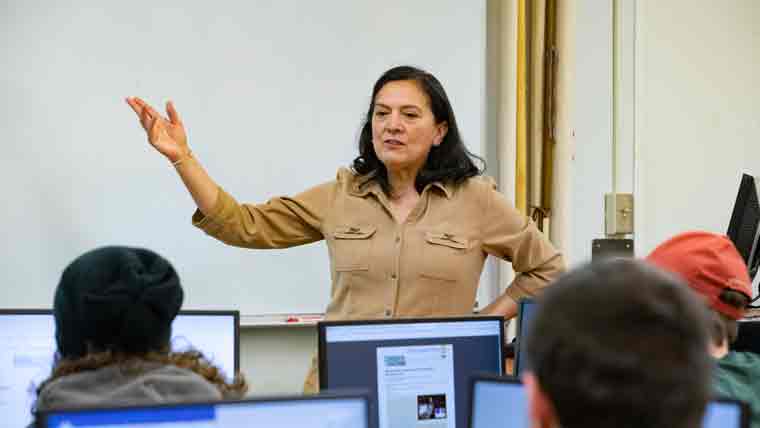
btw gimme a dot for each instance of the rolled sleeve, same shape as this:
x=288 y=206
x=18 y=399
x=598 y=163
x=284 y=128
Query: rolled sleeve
x=510 y=235
x=280 y=222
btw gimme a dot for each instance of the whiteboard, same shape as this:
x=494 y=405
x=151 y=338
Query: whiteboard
x=272 y=94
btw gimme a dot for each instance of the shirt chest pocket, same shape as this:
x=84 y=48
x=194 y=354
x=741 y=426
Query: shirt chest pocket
x=449 y=240
x=351 y=247
x=444 y=255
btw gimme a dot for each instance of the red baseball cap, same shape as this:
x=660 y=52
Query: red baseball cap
x=709 y=263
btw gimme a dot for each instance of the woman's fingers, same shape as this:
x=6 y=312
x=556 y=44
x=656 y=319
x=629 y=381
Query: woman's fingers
x=173 y=115
x=132 y=101
x=139 y=106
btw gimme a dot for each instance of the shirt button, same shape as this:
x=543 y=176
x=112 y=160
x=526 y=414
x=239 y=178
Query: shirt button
x=398 y=239
x=387 y=312
x=393 y=276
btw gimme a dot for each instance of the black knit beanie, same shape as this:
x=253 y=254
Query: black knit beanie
x=116 y=298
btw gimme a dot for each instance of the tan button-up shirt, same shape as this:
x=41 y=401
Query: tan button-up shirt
x=428 y=266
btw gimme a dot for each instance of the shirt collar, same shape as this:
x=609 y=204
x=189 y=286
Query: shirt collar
x=359 y=188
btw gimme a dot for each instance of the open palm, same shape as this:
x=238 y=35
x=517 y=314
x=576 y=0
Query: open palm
x=167 y=135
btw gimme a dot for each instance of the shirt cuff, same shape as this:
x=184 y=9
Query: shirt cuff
x=214 y=219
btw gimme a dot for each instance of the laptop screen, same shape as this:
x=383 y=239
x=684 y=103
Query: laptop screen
x=525 y=311
x=317 y=411
x=27 y=348
x=726 y=414
x=417 y=371
x=501 y=402
x=498 y=402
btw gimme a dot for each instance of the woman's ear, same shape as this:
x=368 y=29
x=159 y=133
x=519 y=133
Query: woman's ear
x=441 y=130
x=540 y=407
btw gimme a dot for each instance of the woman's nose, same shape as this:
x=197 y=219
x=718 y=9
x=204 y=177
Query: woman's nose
x=394 y=122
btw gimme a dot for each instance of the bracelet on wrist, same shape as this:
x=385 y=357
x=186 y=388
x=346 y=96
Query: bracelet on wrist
x=179 y=161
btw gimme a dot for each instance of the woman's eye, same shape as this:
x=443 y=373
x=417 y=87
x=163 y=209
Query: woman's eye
x=411 y=115
x=381 y=113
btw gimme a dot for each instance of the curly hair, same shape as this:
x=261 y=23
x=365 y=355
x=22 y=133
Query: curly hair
x=191 y=360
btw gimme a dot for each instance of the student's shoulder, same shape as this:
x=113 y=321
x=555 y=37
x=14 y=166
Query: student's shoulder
x=742 y=365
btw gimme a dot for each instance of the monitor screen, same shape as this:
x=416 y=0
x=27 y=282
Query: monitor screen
x=502 y=402
x=525 y=312
x=317 y=411
x=498 y=403
x=726 y=414
x=417 y=371
x=27 y=348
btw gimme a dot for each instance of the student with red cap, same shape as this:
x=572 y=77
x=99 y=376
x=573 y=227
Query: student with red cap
x=711 y=266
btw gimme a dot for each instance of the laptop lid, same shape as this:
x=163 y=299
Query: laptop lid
x=328 y=410
x=526 y=308
x=498 y=402
x=416 y=370
x=27 y=350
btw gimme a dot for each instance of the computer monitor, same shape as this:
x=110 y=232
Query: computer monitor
x=525 y=311
x=748 y=337
x=416 y=370
x=498 y=402
x=743 y=228
x=725 y=413
x=27 y=350
x=338 y=410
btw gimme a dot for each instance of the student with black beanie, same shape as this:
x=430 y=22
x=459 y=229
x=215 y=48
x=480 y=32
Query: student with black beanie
x=113 y=309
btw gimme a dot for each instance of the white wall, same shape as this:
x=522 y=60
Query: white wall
x=667 y=106
x=592 y=152
x=697 y=113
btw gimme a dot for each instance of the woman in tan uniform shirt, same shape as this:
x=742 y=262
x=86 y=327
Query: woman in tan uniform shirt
x=408 y=227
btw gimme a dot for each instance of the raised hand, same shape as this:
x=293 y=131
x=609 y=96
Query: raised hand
x=167 y=135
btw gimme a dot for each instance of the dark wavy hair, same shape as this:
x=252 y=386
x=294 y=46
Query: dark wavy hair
x=449 y=162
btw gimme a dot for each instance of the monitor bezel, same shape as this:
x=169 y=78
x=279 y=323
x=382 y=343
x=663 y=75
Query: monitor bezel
x=323 y=325
x=42 y=416
x=749 y=185
x=519 y=348
x=234 y=313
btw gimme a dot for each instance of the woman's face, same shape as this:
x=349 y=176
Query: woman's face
x=403 y=126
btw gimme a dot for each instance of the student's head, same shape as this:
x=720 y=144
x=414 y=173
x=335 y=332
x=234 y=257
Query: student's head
x=115 y=306
x=116 y=299
x=410 y=124
x=711 y=266
x=618 y=344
